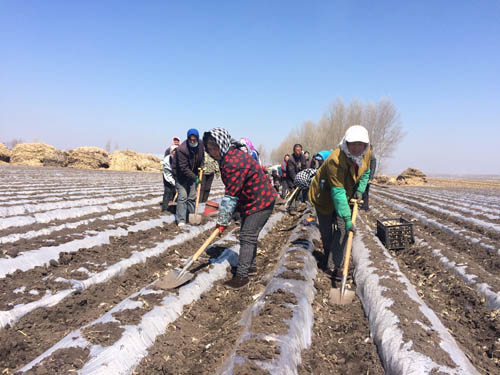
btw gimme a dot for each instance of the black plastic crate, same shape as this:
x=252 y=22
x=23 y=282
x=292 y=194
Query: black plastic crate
x=395 y=233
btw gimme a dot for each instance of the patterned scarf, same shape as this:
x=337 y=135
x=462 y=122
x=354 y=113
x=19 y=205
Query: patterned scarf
x=222 y=138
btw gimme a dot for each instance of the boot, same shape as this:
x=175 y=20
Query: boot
x=236 y=282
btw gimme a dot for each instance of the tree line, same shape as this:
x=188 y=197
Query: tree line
x=381 y=119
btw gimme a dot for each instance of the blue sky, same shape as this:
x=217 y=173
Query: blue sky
x=83 y=72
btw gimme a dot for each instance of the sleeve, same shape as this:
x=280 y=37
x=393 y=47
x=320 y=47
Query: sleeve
x=290 y=169
x=363 y=182
x=373 y=166
x=226 y=209
x=341 y=205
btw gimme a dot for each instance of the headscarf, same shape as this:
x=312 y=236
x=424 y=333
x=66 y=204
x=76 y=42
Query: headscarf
x=197 y=135
x=222 y=139
x=355 y=133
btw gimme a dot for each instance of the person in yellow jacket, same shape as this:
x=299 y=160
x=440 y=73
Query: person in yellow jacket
x=343 y=176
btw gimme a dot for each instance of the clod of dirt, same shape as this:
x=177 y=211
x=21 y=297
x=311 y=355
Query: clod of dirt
x=258 y=349
x=291 y=275
x=271 y=320
x=62 y=361
x=249 y=368
x=104 y=334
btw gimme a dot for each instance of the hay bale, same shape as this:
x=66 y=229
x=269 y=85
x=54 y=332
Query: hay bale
x=128 y=160
x=123 y=160
x=32 y=153
x=4 y=153
x=60 y=159
x=411 y=176
x=149 y=163
x=88 y=158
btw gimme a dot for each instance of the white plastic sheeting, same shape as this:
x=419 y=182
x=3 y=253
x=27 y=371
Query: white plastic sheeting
x=299 y=335
x=46 y=231
x=425 y=219
x=397 y=356
x=18 y=311
x=126 y=353
x=31 y=259
x=473 y=220
x=492 y=298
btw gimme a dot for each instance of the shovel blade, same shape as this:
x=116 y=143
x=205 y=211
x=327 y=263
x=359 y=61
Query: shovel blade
x=336 y=298
x=195 y=219
x=173 y=279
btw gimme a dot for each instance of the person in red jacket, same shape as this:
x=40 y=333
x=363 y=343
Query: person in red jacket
x=247 y=190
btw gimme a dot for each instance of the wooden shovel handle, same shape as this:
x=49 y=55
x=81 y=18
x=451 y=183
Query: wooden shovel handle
x=205 y=244
x=349 y=239
x=198 y=192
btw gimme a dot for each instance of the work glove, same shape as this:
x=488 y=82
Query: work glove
x=352 y=229
x=358 y=196
x=197 y=181
x=221 y=229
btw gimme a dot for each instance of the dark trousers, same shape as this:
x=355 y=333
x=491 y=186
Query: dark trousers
x=365 y=205
x=251 y=226
x=206 y=185
x=334 y=238
x=168 y=194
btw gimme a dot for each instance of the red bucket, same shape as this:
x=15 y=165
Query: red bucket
x=211 y=208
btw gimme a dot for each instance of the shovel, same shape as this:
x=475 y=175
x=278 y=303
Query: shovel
x=290 y=198
x=195 y=218
x=342 y=296
x=174 y=278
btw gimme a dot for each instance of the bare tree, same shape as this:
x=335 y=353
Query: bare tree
x=108 y=146
x=11 y=144
x=380 y=119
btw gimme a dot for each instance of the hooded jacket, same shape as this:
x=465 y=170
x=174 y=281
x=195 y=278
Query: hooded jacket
x=187 y=160
x=246 y=186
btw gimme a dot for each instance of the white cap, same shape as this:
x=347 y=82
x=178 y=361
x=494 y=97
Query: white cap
x=357 y=133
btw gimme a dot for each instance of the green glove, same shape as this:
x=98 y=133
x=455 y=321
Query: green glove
x=197 y=181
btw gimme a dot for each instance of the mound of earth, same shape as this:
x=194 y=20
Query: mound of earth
x=384 y=180
x=411 y=176
x=128 y=160
x=4 y=153
x=88 y=158
x=34 y=153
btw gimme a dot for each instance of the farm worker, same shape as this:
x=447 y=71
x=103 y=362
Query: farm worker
x=210 y=170
x=247 y=190
x=175 y=142
x=320 y=157
x=168 y=178
x=247 y=144
x=188 y=160
x=296 y=163
x=307 y=155
x=284 y=186
x=373 y=165
x=343 y=176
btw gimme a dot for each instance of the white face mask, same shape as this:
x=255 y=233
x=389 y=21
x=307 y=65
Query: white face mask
x=193 y=144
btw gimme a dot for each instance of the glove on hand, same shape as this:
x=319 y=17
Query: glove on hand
x=358 y=196
x=221 y=229
x=197 y=181
x=352 y=229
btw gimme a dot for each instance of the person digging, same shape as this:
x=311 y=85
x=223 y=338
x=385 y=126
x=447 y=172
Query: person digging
x=248 y=191
x=343 y=176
